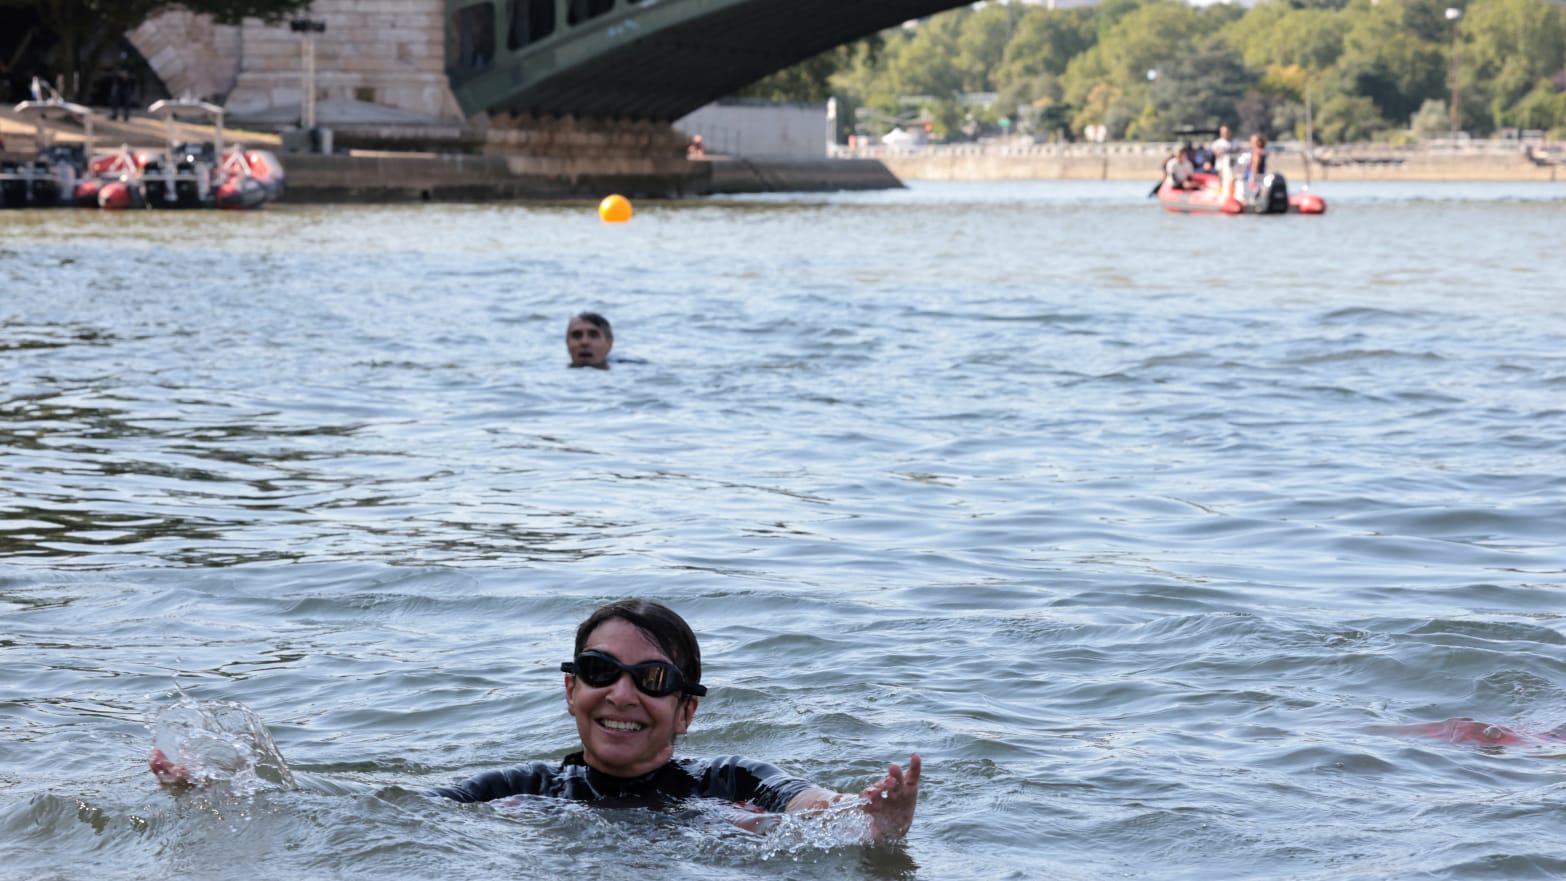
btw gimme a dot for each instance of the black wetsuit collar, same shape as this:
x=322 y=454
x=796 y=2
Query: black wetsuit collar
x=655 y=785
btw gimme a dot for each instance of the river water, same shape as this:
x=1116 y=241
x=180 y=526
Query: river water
x=1145 y=531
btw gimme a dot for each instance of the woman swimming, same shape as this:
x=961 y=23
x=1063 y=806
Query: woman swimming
x=633 y=686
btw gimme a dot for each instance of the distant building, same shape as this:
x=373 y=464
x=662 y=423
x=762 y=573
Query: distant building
x=751 y=128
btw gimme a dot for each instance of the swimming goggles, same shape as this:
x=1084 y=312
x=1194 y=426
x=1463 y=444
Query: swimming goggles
x=653 y=678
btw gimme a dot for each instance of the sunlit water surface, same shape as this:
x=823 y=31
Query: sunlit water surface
x=1138 y=527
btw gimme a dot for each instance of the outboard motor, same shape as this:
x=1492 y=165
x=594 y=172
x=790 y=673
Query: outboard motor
x=13 y=186
x=73 y=155
x=182 y=178
x=45 y=187
x=63 y=165
x=1272 y=197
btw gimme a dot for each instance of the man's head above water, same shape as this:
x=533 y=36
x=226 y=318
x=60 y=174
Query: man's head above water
x=588 y=340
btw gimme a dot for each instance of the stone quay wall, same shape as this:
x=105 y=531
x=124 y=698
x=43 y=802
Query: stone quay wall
x=402 y=177
x=378 y=61
x=528 y=157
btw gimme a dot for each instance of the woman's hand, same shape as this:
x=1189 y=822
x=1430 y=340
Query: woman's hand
x=168 y=773
x=892 y=802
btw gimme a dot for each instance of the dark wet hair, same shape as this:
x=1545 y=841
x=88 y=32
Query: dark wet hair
x=597 y=321
x=658 y=623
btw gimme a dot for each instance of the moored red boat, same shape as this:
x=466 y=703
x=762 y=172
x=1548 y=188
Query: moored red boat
x=208 y=175
x=113 y=181
x=50 y=179
x=257 y=170
x=186 y=175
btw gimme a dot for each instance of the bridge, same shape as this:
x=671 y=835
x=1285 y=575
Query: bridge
x=642 y=59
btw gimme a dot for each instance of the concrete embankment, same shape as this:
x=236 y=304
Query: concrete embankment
x=392 y=177
x=521 y=157
x=796 y=175
x=1144 y=162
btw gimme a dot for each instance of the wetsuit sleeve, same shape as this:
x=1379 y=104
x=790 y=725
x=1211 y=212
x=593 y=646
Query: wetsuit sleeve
x=533 y=778
x=737 y=778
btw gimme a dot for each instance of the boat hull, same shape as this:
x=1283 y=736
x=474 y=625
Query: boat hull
x=1205 y=193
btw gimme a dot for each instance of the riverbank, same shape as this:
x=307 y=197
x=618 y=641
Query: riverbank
x=1479 y=161
x=550 y=159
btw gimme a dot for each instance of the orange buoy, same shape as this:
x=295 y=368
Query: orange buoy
x=615 y=209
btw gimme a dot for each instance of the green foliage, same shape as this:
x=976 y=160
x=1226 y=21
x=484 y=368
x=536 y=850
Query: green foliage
x=1277 y=34
x=1510 y=52
x=1434 y=120
x=1544 y=108
x=811 y=79
x=981 y=47
x=1044 y=43
x=948 y=118
x=1368 y=67
x=1146 y=40
x=1386 y=61
x=1347 y=118
x=1201 y=88
x=1107 y=14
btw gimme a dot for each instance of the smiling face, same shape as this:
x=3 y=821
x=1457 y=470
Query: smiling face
x=624 y=732
x=588 y=344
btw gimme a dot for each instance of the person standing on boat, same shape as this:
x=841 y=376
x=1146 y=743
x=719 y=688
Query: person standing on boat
x=1221 y=145
x=1256 y=162
x=1222 y=161
x=588 y=340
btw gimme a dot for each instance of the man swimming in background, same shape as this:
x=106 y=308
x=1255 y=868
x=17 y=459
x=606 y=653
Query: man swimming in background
x=588 y=340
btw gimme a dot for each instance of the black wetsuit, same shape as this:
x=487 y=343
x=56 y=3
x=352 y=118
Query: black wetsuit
x=731 y=778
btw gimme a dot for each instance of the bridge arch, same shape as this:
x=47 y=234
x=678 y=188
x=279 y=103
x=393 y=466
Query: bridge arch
x=642 y=59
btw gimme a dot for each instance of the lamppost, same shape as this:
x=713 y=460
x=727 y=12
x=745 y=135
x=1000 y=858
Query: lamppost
x=1454 y=15
x=309 y=27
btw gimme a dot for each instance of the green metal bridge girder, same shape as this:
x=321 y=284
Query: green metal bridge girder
x=642 y=59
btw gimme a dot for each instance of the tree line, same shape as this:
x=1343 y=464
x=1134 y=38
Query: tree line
x=1345 y=70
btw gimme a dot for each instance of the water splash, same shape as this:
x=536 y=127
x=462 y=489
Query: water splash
x=219 y=743
x=841 y=825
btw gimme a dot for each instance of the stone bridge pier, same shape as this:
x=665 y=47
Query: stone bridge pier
x=378 y=62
